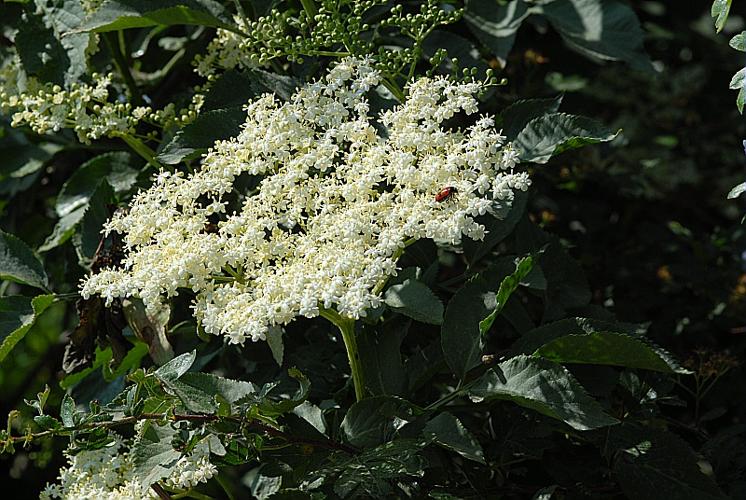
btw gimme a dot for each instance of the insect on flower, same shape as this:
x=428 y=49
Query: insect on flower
x=445 y=194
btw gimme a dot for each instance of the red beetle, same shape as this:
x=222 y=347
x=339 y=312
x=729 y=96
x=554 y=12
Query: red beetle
x=445 y=193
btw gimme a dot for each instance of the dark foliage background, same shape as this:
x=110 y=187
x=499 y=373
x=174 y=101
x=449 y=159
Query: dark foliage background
x=646 y=217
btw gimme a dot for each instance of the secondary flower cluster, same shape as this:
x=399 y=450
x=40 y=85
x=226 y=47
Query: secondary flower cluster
x=108 y=473
x=84 y=107
x=338 y=196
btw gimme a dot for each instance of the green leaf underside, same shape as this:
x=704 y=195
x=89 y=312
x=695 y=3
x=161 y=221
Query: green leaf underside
x=448 y=431
x=116 y=15
x=544 y=386
x=17 y=316
x=508 y=285
x=553 y=133
x=415 y=299
x=19 y=264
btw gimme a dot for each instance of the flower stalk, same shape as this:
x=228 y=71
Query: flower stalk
x=346 y=327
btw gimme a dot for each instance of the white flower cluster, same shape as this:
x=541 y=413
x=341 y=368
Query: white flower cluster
x=336 y=203
x=83 y=107
x=108 y=474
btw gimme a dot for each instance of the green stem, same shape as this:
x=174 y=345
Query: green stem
x=394 y=89
x=121 y=63
x=347 y=329
x=142 y=149
x=310 y=7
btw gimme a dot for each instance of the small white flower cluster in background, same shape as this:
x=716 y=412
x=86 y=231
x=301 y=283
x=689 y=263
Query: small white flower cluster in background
x=84 y=108
x=336 y=203
x=108 y=474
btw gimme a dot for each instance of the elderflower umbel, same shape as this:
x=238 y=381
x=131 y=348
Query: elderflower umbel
x=108 y=473
x=336 y=203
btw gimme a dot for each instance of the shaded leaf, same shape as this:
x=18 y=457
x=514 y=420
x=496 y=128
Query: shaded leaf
x=19 y=264
x=508 y=285
x=17 y=316
x=415 y=299
x=496 y=25
x=600 y=29
x=543 y=386
x=375 y=420
x=114 y=15
x=516 y=116
x=448 y=431
x=553 y=133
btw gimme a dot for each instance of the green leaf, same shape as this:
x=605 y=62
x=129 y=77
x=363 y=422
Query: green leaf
x=509 y=285
x=77 y=191
x=64 y=229
x=195 y=138
x=719 y=11
x=738 y=42
x=448 y=431
x=274 y=341
x=738 y=82
x=737 y=191
x=198 y=390
x=115 y=15
x=460 y=337
x=651 y=464
x=605 y=30
x=381 y=358
x=88 y=239
x=44 y=52
x=496 y=25
x=17 y=315
x=373 y=421
x=516 y=116
x=68 y=411
x=553 y=133
x=176 y=367
x=586 y=341
x=415 y=299
x=371 y=473
x=271 y=407
x=19 y=264
x=154 y=456
x=543 y=386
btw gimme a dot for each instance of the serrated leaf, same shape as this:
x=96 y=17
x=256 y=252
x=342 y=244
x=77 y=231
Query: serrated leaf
x=448 y=431
x=719 y=11
x=47 y=423
x=116 y=15
x=581 y=340
x=375 y=420
x=508 y=285
x=17 y=316
x=415 y=299
x=460 y=337
x=496 y=25
x=543 y=386
x=176 y=367
x=605 y=30
x=553 y=133
x=516 y=116
x=19 y=264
